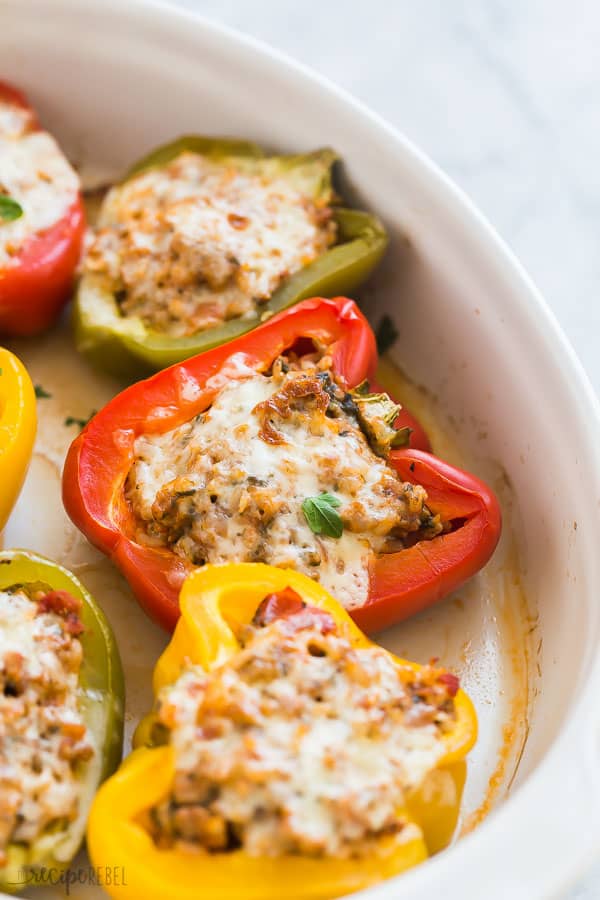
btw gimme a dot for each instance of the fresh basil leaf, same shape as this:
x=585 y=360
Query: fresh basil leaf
x=321 y=515
x=9 y=209
x=331 y=499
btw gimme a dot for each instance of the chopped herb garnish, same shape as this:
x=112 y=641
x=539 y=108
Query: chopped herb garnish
x=321 y=515
x=9 y=209
x=376 y=414
x=386 y=334
x=361 y=389
x=41 y=393
x=81 y=423
x=401 y=438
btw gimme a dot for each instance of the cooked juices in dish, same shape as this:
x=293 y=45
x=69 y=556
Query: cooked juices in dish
x=41 y=219
x=286 y=467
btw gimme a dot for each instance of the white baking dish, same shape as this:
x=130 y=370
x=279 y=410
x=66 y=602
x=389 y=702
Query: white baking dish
x=505 y=394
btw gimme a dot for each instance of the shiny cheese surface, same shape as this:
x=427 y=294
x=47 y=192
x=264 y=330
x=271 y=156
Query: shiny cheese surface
x=299 y=744
x=217 y=490
x=197 y=242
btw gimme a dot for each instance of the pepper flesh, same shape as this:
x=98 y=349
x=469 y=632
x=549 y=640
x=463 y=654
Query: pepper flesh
x=99 y=460
x=18 y=422
x=102 y=701
x=401 y=584
x=37 y=284
x=125 y=346
x=215 y=601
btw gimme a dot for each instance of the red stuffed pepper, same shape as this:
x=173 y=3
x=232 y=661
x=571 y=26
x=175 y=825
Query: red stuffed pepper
x=274 y=449
x=42 y=221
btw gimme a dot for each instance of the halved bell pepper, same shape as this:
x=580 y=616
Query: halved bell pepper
x=38 y=281
x=126 y=346
x=99 y=460
x=18 y=422
x=215 y=601
x=102 y=697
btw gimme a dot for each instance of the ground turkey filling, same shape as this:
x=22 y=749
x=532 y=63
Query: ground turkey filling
x=300 y=743
x=229 y=486
x=43 y=738
x=192 y=244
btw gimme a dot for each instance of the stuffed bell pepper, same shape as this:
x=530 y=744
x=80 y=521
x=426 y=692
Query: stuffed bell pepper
x=41 y=220
x=287 y=757
x=206 y=238
x=17 y=429
x=272 y=449
x=61 y=714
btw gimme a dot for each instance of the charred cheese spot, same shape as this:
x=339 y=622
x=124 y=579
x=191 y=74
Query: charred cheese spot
x=229 y=485
x=300 y=744
x=35 y=173
x=197 y=242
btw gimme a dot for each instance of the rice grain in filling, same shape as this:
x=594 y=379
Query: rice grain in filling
x=300 y=743
x=197 y=242
x=43 y=738
x=229 y=485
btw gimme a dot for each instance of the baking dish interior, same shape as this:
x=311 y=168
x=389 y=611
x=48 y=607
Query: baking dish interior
x=481 y=360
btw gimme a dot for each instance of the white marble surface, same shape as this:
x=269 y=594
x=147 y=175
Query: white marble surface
x=504 y=95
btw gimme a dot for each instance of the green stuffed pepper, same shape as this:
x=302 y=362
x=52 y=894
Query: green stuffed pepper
x=61 y=715
x=203 y=240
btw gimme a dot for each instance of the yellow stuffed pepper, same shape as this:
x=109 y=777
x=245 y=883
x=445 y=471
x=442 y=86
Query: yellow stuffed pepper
x=17 y=429
x=287 y=756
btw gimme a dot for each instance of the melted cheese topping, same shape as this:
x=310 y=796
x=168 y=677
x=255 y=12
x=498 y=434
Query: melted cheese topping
x=194 y=243
x=299 y=744
x=215 y=490
x=35 y=173
x=43 y=737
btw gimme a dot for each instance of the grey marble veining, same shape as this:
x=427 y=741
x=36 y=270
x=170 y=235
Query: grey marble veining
x=504 y=95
